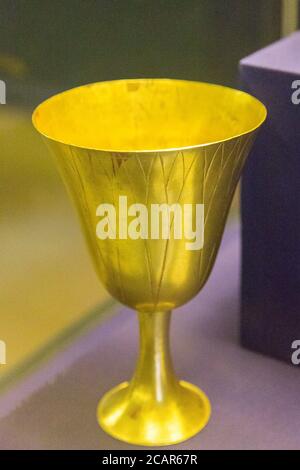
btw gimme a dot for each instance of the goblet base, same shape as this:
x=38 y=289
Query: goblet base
x=138 y=418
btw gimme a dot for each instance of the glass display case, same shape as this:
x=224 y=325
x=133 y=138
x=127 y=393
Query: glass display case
x=50 y=296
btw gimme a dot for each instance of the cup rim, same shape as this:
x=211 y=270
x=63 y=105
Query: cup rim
x=149 y=151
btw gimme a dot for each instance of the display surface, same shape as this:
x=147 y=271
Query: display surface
x=155 y=142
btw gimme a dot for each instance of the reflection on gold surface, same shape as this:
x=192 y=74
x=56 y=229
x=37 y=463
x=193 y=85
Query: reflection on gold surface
x=144 y=115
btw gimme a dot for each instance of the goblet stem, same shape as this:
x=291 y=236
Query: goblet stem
x=154 y=408
x=154 y=376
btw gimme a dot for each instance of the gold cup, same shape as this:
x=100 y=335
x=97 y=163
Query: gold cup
x=156 y=142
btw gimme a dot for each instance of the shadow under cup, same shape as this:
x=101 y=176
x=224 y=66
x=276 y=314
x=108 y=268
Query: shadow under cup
x=154 y=142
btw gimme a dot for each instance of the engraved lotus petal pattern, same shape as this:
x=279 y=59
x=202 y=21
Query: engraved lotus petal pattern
x=166 y=274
